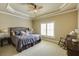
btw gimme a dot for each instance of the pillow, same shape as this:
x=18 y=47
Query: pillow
x=17 y=33
x=27 y=33
x=23 y=32
x=13 y=33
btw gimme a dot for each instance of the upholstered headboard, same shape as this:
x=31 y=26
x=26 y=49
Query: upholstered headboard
x=14 y=29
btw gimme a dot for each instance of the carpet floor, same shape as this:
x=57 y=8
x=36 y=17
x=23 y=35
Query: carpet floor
x=44 y=48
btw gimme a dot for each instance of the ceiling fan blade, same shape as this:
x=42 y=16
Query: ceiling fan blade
x=39 y=7
x=32 y=6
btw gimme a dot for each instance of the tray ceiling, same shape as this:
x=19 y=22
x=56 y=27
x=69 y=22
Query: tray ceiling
x=21 y=9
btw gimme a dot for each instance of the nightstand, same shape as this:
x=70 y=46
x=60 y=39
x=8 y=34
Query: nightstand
x=4 y=37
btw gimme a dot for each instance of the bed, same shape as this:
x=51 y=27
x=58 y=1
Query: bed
x=22 y=38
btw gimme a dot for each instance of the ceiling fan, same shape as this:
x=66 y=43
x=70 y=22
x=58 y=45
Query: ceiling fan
x=35 y=6
x=32 y=6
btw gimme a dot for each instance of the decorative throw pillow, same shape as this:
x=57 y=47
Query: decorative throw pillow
x=13 y=33
x=23 y=33
x=17 y=32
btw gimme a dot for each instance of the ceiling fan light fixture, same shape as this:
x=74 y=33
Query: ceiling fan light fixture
x=33 y=7
x=35 y=11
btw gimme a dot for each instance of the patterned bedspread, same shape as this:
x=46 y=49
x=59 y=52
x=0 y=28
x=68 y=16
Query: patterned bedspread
x=26 y=41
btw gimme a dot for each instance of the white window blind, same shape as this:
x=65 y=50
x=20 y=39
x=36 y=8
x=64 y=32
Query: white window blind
x=43 y=29
x=47 y=29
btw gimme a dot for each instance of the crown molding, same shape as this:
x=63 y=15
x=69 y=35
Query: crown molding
x=61 y=10
x=12 y=10
x=56 y=13
x=63 y=5
x=7 y=13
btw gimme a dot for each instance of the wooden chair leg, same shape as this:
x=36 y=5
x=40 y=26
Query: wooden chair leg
x=59 y=42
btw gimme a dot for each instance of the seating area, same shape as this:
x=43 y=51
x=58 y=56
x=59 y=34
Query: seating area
x=70 y=43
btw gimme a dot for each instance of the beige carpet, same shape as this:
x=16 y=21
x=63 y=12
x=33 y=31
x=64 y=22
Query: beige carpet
x=7 y=50
x=44 y=48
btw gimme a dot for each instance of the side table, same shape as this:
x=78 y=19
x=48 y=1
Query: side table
x=4 y=37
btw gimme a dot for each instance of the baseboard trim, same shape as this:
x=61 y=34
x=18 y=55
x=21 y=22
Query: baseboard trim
x=52 y=40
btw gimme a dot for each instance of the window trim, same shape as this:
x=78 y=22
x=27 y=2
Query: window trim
x=46 y=30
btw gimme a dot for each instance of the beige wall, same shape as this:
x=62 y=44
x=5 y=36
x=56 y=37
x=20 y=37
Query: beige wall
x=78 y=15
x=11 y=21
x=64 y=23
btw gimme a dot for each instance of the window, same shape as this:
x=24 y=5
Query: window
x=43 y=29
x=47 y=29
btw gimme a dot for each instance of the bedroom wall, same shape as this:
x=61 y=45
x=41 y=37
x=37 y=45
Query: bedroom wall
x=78 y=15
x=12 y=21
x=64 y=23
